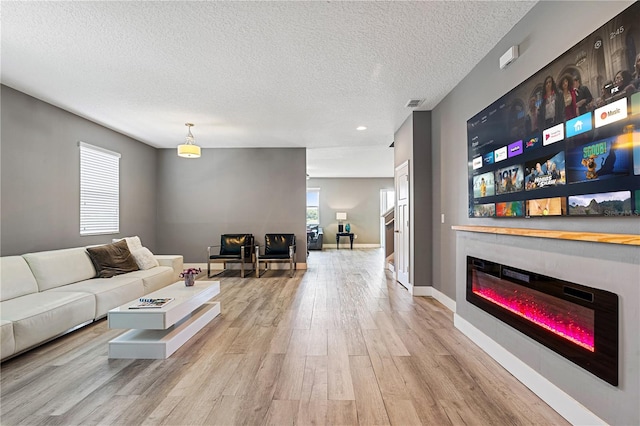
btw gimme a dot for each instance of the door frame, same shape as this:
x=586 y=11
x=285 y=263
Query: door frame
x=402 y=228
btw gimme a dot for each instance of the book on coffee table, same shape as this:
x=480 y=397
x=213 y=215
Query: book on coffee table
x=147 y=303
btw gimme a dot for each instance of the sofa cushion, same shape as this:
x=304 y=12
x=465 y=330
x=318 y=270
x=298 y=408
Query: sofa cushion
x=109 y=292
x=155 y=278
x=16 y=278
x=112 y=259
x=144 y=258
x=40 y=316
x=7 y=342
x=59 y=267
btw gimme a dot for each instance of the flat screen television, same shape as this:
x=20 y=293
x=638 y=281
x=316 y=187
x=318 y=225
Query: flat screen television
x=566 y=141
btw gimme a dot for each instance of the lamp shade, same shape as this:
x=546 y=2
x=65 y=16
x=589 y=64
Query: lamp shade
x=341 y=216
x=188 y=151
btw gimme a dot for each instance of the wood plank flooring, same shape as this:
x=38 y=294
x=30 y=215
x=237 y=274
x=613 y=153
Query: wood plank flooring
x=340 y=343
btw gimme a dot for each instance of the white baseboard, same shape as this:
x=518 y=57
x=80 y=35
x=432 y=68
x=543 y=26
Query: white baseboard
x=220 y=266
x=347 y=246
x=556 y=398
x=429 y=291
x=444 y=299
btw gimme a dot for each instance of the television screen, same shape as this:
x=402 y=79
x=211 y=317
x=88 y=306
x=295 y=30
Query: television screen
x=569 y=132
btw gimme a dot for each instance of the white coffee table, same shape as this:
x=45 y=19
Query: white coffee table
x=158 y=332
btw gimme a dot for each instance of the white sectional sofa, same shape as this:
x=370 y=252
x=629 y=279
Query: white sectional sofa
x=45 y=294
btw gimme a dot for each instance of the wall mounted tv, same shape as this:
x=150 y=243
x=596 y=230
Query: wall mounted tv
x=565 y=142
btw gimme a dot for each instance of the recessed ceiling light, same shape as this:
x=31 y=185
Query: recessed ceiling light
x=361 y=128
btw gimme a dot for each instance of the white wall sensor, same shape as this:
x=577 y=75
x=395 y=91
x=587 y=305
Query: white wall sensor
x=509 y=56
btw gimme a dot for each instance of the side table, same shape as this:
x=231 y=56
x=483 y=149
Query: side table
x=344 y=234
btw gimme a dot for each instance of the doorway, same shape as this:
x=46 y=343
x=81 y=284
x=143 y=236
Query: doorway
x=401 y=231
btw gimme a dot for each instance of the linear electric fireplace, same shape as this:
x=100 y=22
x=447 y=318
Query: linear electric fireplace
x=578 y=322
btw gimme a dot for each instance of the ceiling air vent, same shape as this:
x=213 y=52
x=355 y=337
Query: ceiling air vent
x=413 y=103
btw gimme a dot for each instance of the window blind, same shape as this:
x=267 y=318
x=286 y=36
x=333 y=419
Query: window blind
x=99 y=190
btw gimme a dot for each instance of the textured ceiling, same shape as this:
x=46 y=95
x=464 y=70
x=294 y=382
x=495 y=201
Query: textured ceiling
x=252 y=74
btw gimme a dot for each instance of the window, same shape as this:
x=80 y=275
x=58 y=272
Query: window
x=99 y=190
x=387 y=200
x=313 y=206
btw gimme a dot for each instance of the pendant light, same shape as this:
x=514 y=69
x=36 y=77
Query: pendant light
x=189 y=149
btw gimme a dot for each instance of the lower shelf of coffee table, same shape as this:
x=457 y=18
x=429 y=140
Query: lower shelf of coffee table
x=160 y=344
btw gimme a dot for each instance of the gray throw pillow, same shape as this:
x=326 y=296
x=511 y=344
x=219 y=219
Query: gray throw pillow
x=112 y=259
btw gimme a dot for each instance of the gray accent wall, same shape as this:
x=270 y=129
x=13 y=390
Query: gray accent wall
x=548 y=30
x=175 y=205
x=359 y=198
x=40 y=178
x=228 y=191
x=485 y=84
x=412 y=142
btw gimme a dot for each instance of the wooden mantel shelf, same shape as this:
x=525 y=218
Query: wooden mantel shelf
x=628 y=239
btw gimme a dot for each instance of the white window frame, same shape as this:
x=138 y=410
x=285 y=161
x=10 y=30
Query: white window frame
x=99 y=190
x=317 y=207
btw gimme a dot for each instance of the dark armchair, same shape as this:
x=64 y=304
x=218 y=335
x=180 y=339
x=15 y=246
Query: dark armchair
x=277 y=248
x=315 y=237
x=234 y=248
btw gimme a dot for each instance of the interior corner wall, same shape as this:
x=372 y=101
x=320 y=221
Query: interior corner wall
x=412 y=142
x=40 y=177
x=227 y=191
x=422 y=196
x=549 y=29
x=359 y=198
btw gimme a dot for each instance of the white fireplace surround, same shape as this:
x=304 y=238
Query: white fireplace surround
x=576 y=394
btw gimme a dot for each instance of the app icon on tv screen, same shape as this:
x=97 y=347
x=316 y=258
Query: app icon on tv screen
x=515 y=149
x=488 y=158
x=553 y=134
x=477 y=163
x=579 y=125
x=500 y=154
x=611 y=113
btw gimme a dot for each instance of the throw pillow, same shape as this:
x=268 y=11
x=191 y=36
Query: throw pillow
x=133 y=242
x=144 y=258
x=112 y=259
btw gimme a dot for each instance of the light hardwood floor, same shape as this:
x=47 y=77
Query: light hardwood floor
x=340 y=343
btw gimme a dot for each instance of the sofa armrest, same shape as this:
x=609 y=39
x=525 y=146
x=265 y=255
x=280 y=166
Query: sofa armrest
x=174 y=260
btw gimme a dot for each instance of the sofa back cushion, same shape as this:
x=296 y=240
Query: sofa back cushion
x=16 y=278
x=59 y=267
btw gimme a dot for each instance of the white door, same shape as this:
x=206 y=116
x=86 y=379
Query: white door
x=401 y=249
